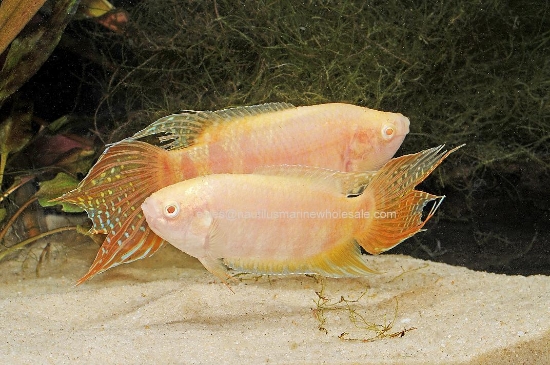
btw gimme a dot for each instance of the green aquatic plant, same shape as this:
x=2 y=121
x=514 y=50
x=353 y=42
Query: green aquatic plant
x=48 y=189
x=52 y=148
x=27 y=38
x=364 y=329
x=460 y=72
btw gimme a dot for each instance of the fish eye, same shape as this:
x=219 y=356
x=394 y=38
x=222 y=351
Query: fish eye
x=171 y=210
x=387 y=132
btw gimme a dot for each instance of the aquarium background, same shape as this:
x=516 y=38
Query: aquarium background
x=474 y=72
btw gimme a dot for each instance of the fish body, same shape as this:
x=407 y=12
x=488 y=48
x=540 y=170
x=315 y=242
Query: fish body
x=334 y=136
x=294 y=219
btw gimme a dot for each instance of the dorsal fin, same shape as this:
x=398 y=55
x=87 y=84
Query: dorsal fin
x=182 y=129
x=347 y=183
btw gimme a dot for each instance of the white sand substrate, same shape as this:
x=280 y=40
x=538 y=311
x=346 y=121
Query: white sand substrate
x=168 y=310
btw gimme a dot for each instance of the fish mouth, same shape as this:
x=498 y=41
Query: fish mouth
x=405 y=125
x=151 y=212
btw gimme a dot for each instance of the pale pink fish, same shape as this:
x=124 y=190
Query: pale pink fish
x=335 y=136
x=294 y=219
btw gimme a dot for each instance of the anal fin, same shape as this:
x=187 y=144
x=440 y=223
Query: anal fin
x=343 y=260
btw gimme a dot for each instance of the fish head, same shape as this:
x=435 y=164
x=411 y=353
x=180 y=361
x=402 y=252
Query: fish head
x=378 y=138
x=180 y=216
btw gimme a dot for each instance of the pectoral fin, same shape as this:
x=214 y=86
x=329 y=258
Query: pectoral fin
x=216 y=267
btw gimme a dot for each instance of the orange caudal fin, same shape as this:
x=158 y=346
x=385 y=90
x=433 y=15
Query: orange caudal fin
x=396 y=208
x=112 y=193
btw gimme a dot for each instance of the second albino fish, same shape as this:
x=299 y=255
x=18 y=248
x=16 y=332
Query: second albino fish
x=294 y=219
x=337 y=136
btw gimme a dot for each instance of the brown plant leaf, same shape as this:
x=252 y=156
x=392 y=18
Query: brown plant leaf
x=30 y=50
x=15 y=132
x=14 y=15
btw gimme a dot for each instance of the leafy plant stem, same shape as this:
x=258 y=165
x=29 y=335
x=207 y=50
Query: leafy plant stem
x=14 y=217
x=28 y=241
x=3 y=159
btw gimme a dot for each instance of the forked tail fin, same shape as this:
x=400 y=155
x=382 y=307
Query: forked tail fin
x=112 y=194
x=397 y=206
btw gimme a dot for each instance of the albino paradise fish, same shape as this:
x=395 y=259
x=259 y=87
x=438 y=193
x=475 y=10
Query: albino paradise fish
x=294 y=219
x=336 y=136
